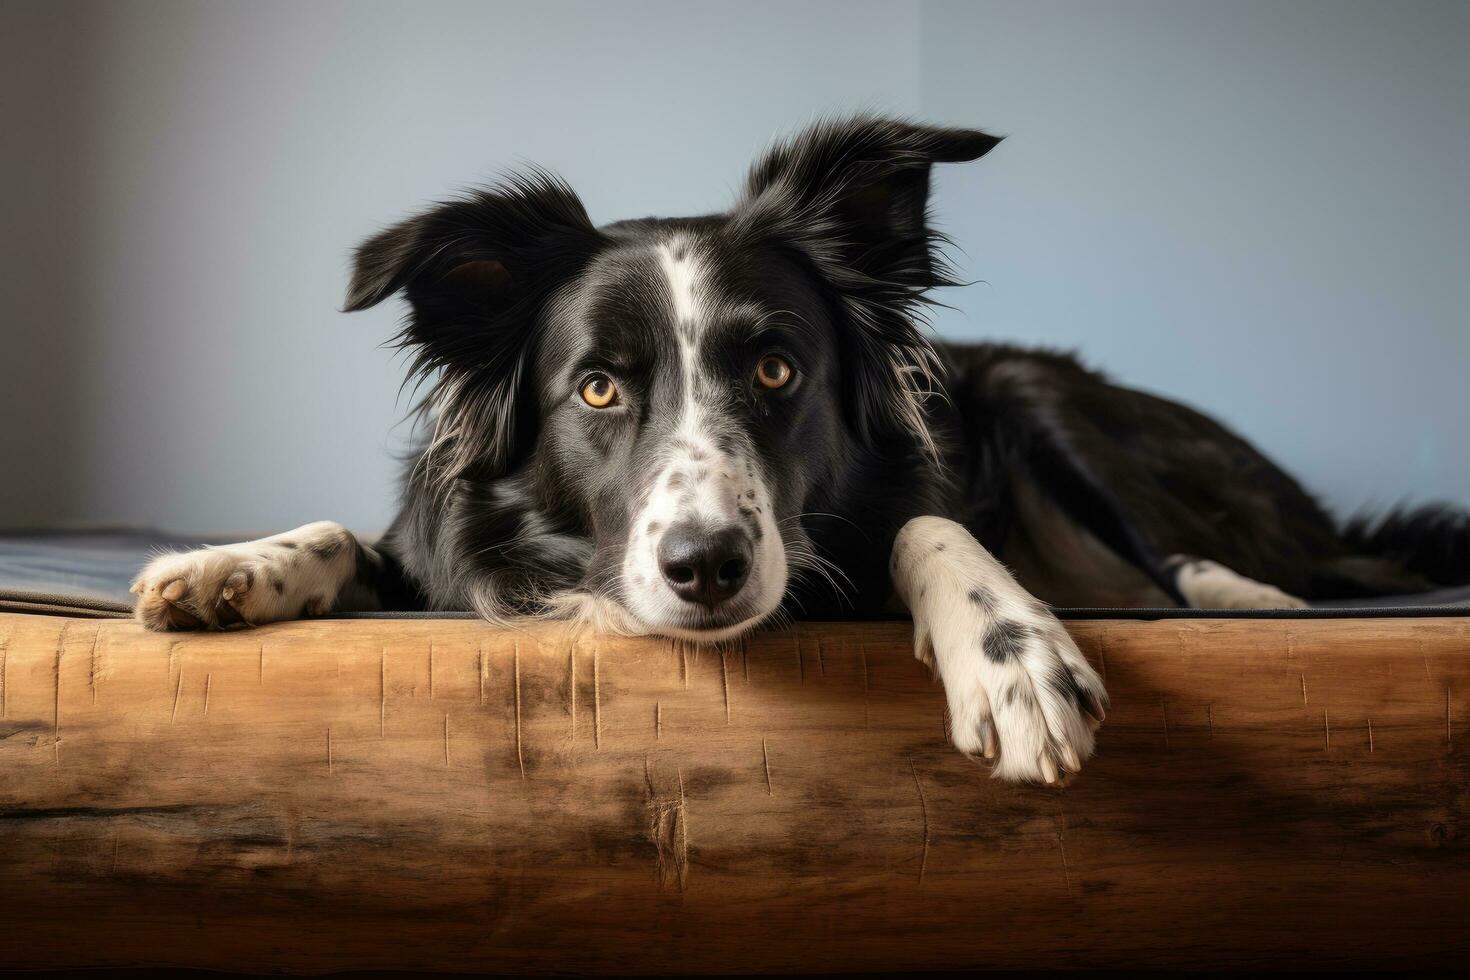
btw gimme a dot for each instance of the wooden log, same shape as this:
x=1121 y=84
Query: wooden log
x=442 y=795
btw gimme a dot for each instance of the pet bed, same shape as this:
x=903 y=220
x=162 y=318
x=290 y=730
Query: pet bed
x=435 y=793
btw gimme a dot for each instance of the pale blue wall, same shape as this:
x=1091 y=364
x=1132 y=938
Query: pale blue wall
x=1260 y=207
x=212 y=165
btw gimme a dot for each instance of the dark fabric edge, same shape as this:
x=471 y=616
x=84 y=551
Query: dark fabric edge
x=45 y=603
x=1084 y=613
x=9 y=605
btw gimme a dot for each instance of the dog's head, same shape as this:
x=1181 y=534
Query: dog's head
x=673 y=394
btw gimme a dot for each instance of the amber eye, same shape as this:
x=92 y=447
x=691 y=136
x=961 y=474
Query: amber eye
x=773 y=372
x=599 y=391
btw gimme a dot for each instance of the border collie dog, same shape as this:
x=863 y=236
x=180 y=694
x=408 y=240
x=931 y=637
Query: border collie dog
x=696 y=426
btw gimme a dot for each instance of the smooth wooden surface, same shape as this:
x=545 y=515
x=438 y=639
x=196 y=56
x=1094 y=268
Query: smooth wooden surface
x=310 y=797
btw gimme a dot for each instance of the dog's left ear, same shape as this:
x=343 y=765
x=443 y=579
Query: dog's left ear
x=852 y=197
x=855 y=194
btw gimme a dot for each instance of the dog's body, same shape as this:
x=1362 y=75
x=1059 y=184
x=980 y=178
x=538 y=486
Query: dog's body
x=695 y=426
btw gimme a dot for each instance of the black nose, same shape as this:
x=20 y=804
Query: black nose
x=706 y=567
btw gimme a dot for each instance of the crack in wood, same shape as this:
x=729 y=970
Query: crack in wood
x=924 y=813
x=516 y=660
x=4 y=674
x=178 y=686
x=92 y=664
x=56 y=708
x=725 y=685
x=683 y=834
x=668 y=828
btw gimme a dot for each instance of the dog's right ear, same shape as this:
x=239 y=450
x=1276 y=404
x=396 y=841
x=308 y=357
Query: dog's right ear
x=477 y=273
x=481 y=255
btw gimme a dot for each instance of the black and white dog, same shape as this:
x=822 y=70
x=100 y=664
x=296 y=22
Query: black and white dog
x=696 y=426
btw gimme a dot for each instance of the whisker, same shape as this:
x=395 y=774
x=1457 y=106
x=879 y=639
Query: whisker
x=807 y=565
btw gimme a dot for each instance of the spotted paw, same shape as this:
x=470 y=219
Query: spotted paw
x=289 y=576
x=1019 y=691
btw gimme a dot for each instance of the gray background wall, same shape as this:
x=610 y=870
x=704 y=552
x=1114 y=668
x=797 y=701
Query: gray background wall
x=1256 y=206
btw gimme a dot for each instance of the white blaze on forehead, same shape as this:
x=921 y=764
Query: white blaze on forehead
x=676 y=258
x=683 y=272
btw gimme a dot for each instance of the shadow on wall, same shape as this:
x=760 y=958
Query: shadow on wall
x=43 y=252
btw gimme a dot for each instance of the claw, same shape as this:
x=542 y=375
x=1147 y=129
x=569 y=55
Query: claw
x=239 y=582
x=987 y=738
x=1070 y=760
x=1093 y=706
x=1048 y=770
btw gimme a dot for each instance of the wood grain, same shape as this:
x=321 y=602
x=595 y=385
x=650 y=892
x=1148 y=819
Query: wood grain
x=442 y=795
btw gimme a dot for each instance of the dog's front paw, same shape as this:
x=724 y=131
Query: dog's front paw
x=296 y=574
x=213 y=588
x=1019 y=691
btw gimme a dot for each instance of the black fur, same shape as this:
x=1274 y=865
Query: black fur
x=1432 y=541
x=521 y=493
x=1005 y=640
